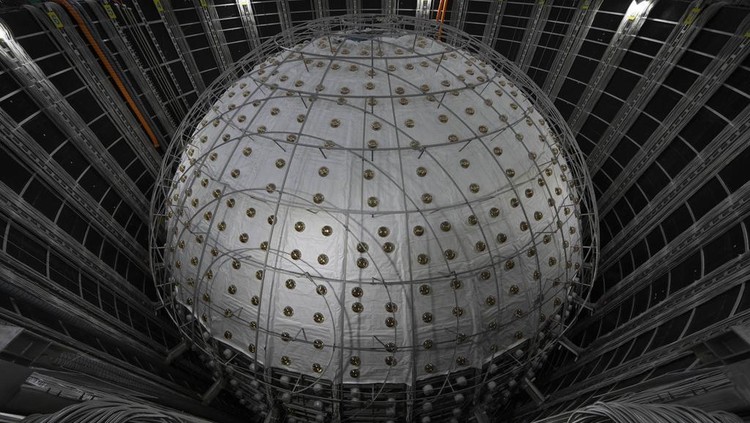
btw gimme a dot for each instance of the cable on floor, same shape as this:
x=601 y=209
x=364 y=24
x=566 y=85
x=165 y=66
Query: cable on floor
x=618 y=412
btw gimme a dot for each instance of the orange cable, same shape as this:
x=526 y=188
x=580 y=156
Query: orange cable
x=118 y=82
x=440 y=17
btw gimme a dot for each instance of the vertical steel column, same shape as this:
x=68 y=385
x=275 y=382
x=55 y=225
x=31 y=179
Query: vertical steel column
x=533 y=33
x=161 y=69
x=69 y=354
x=178 y=40
x=664 y=61
x=424 y=8
x=494 y=16
x=321 y=9
x=206 y=11
x=136 y=71
x=90 y=70
x=49 y=234
x=458 y=13
x=728 y=59
x=721 y=150
x=574 y=38
x=247 y=15
x=641 y=363
x=70 y=123
x=725 y=277
x=390 y=7
x=353 y=6
x=610 y=62
x=46 y=169
x=285 y=14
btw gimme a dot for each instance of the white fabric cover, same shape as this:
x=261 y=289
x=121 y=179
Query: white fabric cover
x=246 y=117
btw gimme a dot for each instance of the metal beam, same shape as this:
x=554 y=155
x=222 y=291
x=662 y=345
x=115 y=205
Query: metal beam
x=101 y=363
x=136 y=71
x=389 y=7
x=321 y=9
x=22 y=278
x=664 y=61
x=46 y=95
x=213 y=391
x=720 y=151
x=492 y=26
x=610 y=61
x=533 y=31
x=168 y=18
x=176 y=352
x=247 y=15
x=353 y=6
x=532 y=391
x=52 y=235
x=723 y=215
x=570 y=46
x=724 y=278
x=424 y=9
x=285 y=15
x=458 y=13
x=726 y=61
x=45 y=168
x=644 y=362
x=96 y=81
x=570 y=346
x=206 y=12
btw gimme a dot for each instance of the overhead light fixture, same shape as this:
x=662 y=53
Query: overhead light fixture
x=636 y=9
x=4 y=33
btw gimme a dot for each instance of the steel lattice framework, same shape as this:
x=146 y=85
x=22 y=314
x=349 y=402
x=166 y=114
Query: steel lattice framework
x=483 y=379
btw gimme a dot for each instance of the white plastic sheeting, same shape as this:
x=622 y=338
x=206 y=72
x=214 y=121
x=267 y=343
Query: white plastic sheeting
x=373 y=209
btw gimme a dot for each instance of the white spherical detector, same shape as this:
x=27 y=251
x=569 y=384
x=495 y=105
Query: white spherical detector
x=374 y=209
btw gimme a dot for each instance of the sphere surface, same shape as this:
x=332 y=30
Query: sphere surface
x=374 y=208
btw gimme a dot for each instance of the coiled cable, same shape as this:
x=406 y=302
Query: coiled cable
x=111 y=411
x=619 y=412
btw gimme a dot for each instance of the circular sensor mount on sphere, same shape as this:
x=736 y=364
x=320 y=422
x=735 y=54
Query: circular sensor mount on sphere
x=363 y=217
